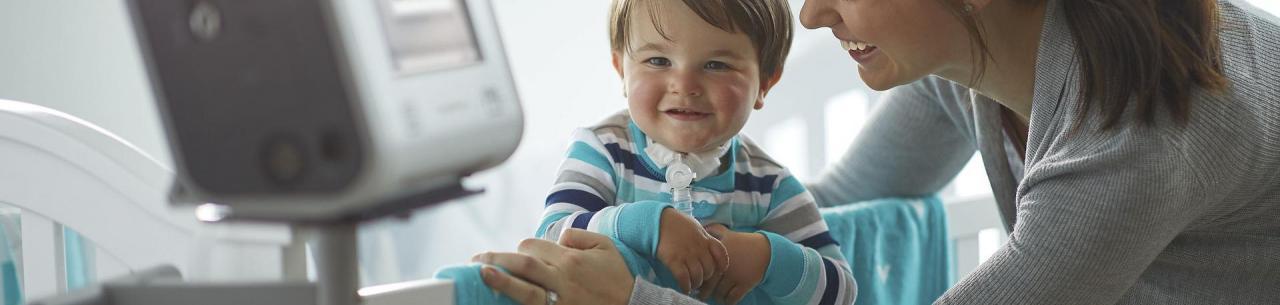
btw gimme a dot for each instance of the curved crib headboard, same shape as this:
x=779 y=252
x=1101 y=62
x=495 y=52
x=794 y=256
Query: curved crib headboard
x=64 y=172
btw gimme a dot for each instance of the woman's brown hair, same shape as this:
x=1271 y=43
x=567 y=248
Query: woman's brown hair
x=1145 y=54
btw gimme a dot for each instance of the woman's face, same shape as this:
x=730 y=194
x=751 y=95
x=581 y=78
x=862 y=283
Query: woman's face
x=894 y=41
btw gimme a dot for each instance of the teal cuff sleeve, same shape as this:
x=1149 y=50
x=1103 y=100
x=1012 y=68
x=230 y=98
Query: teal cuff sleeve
x=786 y=261
x=469 y=287
x=638 y=226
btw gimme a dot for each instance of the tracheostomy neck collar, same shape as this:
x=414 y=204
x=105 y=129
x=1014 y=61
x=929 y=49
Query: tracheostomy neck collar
x=703 y=164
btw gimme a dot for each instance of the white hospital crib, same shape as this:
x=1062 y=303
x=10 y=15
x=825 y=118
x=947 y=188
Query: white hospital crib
x=63 y=179
x=58 y=172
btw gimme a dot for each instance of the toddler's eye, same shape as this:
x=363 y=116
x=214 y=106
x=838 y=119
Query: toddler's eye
x=716 y=65
x=658 y=61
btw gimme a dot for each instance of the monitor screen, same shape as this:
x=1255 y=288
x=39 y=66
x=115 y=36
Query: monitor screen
x=429 y=35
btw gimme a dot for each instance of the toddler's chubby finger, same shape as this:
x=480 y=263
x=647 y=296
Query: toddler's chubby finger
x=709 y=287
x=681 y=273
x=735 y=295
x=718 y=252
x=696 y=274
x=715 y=260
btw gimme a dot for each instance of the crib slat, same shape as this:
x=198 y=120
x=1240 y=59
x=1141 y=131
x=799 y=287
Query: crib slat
x=43 y=269
x=966 y=255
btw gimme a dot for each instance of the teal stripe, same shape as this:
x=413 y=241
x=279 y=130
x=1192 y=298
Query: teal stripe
x=634 y=194
x=582 y=151
x=789 y=187
x=546 y=223
x=626 y=192
x=832 y=252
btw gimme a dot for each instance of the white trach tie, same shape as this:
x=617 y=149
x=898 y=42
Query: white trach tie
x=703 y=164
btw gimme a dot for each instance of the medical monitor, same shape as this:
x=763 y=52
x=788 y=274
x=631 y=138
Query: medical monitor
x=324 y=110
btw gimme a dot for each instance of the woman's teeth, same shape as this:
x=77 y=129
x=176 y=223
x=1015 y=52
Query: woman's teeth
x=856 y=46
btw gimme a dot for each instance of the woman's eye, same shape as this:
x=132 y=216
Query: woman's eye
x=658 y=61
x=716 y=65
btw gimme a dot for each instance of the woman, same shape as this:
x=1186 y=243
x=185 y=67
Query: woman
x=1133 y=148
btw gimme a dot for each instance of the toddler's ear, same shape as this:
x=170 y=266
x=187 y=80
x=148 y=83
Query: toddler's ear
x=765 y=86
x=617 y=66
x=617 y=63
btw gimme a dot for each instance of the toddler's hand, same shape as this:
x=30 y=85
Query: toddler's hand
x=750 y=261
x=692 y=255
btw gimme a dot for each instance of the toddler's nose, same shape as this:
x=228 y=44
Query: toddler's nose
x=685 y=84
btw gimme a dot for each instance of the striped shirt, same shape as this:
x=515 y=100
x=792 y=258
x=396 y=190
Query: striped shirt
x=607 y=179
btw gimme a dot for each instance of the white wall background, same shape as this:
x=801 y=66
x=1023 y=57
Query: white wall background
x=79 y=56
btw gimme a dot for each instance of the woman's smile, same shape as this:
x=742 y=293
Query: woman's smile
x=861 y=52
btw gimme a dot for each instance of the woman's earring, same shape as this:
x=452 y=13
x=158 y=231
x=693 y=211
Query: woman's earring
x=968 y=8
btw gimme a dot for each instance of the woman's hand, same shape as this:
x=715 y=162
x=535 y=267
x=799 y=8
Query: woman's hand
x=750 y=254
x=692 y=255
x=586 y=270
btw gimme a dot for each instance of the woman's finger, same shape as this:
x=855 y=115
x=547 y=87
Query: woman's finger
x=541 y=248
x=583 y=240
x=523 y=266
x=515 y=288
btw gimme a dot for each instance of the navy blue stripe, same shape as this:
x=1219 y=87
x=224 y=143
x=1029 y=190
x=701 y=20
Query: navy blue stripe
x=582 y=220
x=580 y=198
x=833 y=283
x=631 y=162
x=818 y=241
x=748 y=183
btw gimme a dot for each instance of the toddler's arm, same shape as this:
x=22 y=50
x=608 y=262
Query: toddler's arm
x=584 y=197
x=799 y=240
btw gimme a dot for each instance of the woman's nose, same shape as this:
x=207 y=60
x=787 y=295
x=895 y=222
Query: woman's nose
x=684 y=83
x=817 y=14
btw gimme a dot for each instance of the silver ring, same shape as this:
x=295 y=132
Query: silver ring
x=552 y=297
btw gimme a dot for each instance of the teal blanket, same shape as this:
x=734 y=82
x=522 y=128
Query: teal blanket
x=899 y=249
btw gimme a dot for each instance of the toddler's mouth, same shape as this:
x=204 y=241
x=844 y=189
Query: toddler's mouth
x=686 y=114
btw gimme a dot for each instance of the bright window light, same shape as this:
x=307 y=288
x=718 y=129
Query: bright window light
x=989 y=240
x=845 y=114
x=787 y=143
x=972 y=179
x=1271 y=6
